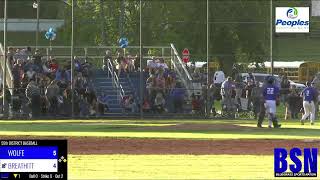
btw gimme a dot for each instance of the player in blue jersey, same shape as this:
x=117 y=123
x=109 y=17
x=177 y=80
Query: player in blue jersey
x=270 y=95
x=309 y=95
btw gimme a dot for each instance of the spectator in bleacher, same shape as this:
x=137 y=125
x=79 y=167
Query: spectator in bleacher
x=129 y=104
x=152 y=64
x=24 y=82
x=84 y=107
x=17 y=72
x=33 y=94
x=130 y=63
x=31 y=73
x=159 y=103
x=137 y=63
x=67 y=99
x=150 y=84
x=23 y=54
x=121 y=64
x=177 y=96
x=160 y=83
x=211 y=98
x=163 y=65
x=45 y=68
x=37 y=59
x=196 y=104
x=59 y=74
x=146 y=105
x=196 y=75
x=80 y=84
x=103 y=101
x=106 y=58
x=52 y=92
x=77 y=64
x=53 y=65
x=7 y=101
x=93 y=107
x=10 y=56
x=26 y=53
x=170 y=82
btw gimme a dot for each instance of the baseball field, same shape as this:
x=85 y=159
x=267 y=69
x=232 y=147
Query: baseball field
x=166 y=149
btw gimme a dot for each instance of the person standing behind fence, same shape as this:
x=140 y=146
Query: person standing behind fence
x=294 y=103
x=177 y=97
x=33 y=95
x=256 y=99
x=52 y=93
x=226 y=93
x=309 y=97
x=284 y=92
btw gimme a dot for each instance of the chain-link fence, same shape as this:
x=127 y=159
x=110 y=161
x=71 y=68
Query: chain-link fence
x=234 y=37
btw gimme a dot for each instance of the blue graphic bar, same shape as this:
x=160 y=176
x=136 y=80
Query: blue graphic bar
x=28 y=152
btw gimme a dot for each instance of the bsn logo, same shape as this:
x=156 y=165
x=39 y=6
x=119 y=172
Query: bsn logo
x=292 y=13
x=310 y=162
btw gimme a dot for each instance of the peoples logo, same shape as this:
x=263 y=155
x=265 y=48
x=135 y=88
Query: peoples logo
x=292 y=13
x=292 y=19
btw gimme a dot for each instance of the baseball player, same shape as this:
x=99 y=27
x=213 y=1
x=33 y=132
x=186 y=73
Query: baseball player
x=309 y=95
x=271 y=95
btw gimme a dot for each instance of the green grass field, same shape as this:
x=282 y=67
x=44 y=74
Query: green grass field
x=128 y=128
x=120 y=166
x=171 y=167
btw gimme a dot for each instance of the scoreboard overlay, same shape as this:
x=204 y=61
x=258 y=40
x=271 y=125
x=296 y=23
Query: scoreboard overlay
x=33 y=159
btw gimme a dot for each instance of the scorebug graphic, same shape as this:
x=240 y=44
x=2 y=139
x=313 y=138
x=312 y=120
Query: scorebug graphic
x=33 y=159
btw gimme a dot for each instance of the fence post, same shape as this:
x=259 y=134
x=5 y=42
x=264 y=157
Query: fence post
x=72 y=60
x=162 y=52
x=47 y=52
x=85 y=54
x=141 y=58
x=5 y=61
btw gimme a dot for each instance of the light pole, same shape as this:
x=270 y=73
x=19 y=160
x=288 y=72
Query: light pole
x=72 y=63
x=271 y=35
x=207 y=109
x=5 y=59
x=36 y=5
x=141 y=57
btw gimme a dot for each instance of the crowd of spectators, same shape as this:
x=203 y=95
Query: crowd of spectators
x=164 y=93
x=42 y=87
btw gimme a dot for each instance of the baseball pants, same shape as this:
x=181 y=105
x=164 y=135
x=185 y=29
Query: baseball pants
x=309 y=111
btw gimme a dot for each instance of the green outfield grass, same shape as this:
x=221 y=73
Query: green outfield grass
x=171 y=167
x=163 y=166
x=245 y=129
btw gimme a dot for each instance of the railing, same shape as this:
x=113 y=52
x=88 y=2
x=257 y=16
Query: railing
x=180 y=68
x=115 y=79
x=9 y=76
x=96 y=52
